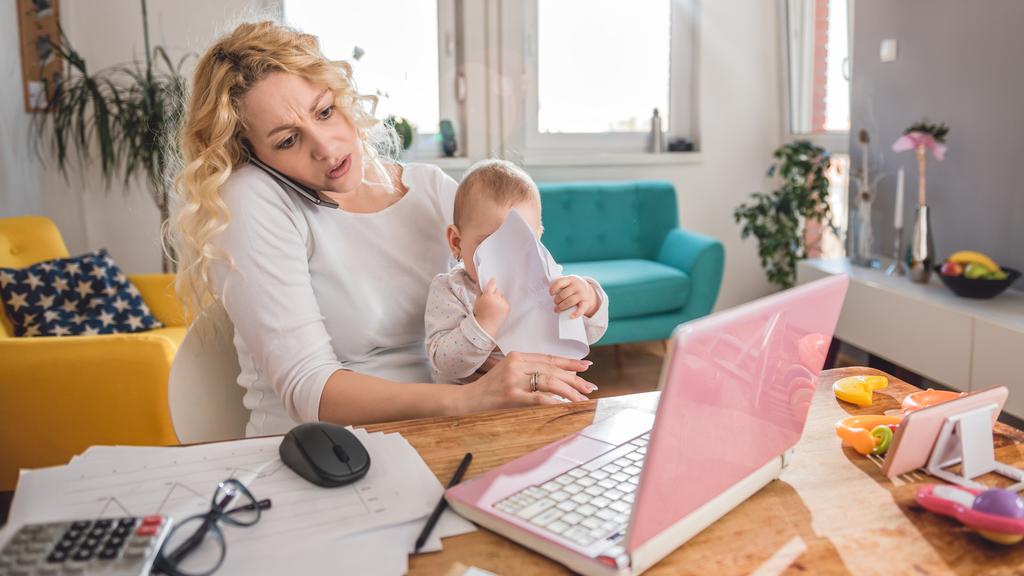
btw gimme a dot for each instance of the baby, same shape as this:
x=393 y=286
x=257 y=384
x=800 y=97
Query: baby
x=461 y=319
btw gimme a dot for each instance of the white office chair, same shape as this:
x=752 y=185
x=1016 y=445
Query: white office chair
x=203 y=393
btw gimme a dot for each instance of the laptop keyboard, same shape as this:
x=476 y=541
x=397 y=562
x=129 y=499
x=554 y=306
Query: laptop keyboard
x=589 y=502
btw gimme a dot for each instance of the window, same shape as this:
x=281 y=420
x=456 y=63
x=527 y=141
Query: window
x=817 y=49
x=393 y=47
x=517 y=78
x=594 y=73
x=838 y=176
x=605 y=72
x=819 y=66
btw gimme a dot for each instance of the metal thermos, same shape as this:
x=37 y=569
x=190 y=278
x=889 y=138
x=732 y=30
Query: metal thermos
x=657 y=139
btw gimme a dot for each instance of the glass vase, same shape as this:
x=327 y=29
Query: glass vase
x=861 y=235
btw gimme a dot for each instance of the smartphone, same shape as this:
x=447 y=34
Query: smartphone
x=290 y=185
x=912 y=445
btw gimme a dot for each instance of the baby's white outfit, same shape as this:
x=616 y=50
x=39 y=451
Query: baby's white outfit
x=456 y=344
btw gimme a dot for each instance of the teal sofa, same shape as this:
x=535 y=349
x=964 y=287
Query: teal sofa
x=626 y=235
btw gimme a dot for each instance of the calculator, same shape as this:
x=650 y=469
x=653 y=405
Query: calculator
x=121 y=546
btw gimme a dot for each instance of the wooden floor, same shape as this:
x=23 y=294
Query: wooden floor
x=632 y=368
x=636 y=367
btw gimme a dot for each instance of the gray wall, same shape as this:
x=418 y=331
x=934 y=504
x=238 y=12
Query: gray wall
x=961 y=63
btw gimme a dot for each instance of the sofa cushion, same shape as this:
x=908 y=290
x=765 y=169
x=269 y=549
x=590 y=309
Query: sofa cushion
x=636 y=287
x=85 y=294
x=591 y=221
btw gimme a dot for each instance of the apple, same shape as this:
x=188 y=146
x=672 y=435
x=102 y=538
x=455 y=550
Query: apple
x=975 y=271
x=951 y=269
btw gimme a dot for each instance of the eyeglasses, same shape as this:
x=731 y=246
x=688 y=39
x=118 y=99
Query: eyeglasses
x=196 y=546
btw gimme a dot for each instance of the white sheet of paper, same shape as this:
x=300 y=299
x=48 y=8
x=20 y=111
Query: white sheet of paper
x=381 y=552
x=523 y=270
x=371 y=524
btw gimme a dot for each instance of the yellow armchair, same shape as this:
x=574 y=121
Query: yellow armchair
x=58 y=396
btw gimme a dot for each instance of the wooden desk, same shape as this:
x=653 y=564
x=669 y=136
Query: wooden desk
x=962 y=343
x=831 y=512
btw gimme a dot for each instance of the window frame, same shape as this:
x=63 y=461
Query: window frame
x=835 y=141
x=481 y=49
x=519 y=20
x=426 y=144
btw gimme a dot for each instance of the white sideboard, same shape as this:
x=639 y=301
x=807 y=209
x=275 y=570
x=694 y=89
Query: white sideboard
x=959 y=342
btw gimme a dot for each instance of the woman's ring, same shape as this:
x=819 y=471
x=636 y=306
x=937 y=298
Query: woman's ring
x=534 y=380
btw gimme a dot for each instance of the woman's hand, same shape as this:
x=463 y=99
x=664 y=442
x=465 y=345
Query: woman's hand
x=491 y=362
x=507 y=384
x=569 y=291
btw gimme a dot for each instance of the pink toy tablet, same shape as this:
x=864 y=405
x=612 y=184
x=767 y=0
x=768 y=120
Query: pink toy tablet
x=916 y=436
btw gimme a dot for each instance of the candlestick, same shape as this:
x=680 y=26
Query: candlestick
x=897 y=268
x=898 y=216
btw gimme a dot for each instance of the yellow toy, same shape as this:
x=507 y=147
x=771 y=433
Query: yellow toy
x=858 y=389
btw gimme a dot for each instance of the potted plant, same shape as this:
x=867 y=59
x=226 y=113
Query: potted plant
x=125 y=114
x=778 y=219
x=403 y=128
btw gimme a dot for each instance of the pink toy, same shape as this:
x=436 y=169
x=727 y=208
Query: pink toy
x=996 y=514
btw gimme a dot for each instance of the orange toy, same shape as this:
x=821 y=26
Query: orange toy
x=926 y=398
x=857 y=431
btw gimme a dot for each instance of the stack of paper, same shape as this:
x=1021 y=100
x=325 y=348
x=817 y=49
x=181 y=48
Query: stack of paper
x=368 y=527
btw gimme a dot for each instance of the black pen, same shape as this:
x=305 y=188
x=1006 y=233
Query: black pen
x=436 y=514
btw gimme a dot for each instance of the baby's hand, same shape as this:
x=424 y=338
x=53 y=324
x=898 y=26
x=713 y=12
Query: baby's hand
x=491 y=309
x=569 y=291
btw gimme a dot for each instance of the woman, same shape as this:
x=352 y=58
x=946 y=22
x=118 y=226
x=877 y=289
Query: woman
x=327 y=303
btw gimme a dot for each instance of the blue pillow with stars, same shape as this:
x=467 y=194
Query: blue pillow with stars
x=83 y=295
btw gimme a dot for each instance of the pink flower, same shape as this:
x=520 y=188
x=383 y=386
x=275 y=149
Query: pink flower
x=914 y=140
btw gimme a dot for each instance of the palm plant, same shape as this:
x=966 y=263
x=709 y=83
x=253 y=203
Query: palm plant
x=127 y=114
x=777 y=218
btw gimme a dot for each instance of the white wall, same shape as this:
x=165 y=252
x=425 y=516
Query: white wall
x=740 y=124
x=125 y=221
x=19 y=170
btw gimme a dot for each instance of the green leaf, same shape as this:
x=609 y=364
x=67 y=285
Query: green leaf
x=127 y=114
x=775 y=218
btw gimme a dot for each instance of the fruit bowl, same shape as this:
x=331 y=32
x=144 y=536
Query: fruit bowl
x=981 y=288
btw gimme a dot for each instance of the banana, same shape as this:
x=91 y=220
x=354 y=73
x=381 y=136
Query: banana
x=968 y=257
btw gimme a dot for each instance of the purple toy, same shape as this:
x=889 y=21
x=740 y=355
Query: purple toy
x=996 y=514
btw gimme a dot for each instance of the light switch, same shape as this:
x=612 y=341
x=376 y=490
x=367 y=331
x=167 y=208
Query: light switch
x=887 y=52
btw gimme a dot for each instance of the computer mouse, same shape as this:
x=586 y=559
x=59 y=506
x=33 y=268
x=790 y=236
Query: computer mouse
x=327 y=455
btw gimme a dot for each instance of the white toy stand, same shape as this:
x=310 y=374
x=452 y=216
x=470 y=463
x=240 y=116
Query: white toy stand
x=966 y=439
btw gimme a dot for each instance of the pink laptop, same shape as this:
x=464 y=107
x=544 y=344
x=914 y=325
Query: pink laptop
x=621 y=494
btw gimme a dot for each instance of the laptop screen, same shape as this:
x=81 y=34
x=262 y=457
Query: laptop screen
x=736 y=389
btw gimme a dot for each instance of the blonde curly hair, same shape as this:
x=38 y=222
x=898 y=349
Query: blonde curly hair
x=211 y=137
